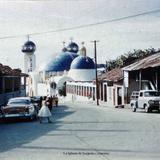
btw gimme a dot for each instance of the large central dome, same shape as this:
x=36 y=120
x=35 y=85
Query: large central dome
x=61 y=62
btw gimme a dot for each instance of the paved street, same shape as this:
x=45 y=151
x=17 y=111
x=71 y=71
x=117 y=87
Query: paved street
x=83 y=132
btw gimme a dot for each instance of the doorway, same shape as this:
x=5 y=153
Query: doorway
x=119 y=95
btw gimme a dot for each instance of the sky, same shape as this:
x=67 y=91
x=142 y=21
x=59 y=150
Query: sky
x=119 y=25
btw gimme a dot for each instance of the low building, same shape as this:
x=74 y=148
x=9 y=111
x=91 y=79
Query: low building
x=143 y=74
x=12 y=83
x=111 y=89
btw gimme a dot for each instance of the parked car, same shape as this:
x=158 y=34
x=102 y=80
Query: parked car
x=147 y=100
x=37 y=101
x=1 y=113
x=20 y=107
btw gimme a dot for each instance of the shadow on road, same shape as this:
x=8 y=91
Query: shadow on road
x=143 y=111
x=14 y=132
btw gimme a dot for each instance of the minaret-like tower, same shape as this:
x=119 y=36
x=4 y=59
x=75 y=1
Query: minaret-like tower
x=29 y=57
x=83 y=50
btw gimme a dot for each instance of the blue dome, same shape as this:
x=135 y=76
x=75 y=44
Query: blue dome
x=82 y=62
x=29 y=47
x=61 y=62
x=72 y=47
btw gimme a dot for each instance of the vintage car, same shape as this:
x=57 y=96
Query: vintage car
x=1 y=113
x=147 y=100
x=20 y=107
x=37 y=101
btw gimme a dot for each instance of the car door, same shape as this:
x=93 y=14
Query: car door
x=140 y=100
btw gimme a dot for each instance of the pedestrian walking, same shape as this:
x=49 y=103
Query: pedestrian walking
x=40 y=101
x=48 y=102
x=44 y=112
x=56 y=101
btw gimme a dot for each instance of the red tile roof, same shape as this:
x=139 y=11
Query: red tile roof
x=114 y=75
x=8 y=71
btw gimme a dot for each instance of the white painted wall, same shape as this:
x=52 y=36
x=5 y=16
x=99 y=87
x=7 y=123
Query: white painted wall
x=42 y=89
x=82 y=74
x=111 y=95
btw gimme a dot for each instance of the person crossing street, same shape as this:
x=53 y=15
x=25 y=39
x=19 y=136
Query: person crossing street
x=44 y=112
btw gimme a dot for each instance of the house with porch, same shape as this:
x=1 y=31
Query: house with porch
x=143 y=74
x=12 y=83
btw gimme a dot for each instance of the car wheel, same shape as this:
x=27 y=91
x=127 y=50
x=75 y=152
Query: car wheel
x=147 y=109
x=32 y=117
x=35 y=117
x=134 y=109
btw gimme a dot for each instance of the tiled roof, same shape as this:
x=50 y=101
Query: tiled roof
x=8 y=71
x=114 y=75
x=117 y=73
x=148 y=62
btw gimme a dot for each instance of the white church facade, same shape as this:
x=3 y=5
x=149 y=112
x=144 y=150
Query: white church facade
x=72 y=74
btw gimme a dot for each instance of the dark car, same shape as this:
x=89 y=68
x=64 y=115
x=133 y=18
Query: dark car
x=1 y=113
x=37 y=101
x=20 y=107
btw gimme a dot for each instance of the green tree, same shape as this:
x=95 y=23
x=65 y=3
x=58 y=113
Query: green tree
x=130 y=57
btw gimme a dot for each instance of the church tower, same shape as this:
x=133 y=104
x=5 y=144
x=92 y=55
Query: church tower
x=29 y=57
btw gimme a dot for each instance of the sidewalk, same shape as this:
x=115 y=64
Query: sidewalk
x=91 y=102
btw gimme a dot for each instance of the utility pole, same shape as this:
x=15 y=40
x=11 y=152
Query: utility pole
x=95 y=56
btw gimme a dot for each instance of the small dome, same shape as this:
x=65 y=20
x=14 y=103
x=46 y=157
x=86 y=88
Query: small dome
x=72 y=47
x=82 y=62
x=64 y=49
x=61 y=62
x=29 y=47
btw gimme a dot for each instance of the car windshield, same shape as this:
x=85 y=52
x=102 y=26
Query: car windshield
x=19 y=101
x=151 y=94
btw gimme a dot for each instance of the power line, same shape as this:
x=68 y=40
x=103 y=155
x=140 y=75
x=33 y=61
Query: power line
x=83 y=26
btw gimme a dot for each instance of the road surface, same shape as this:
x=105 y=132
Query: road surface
x=83 y=132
